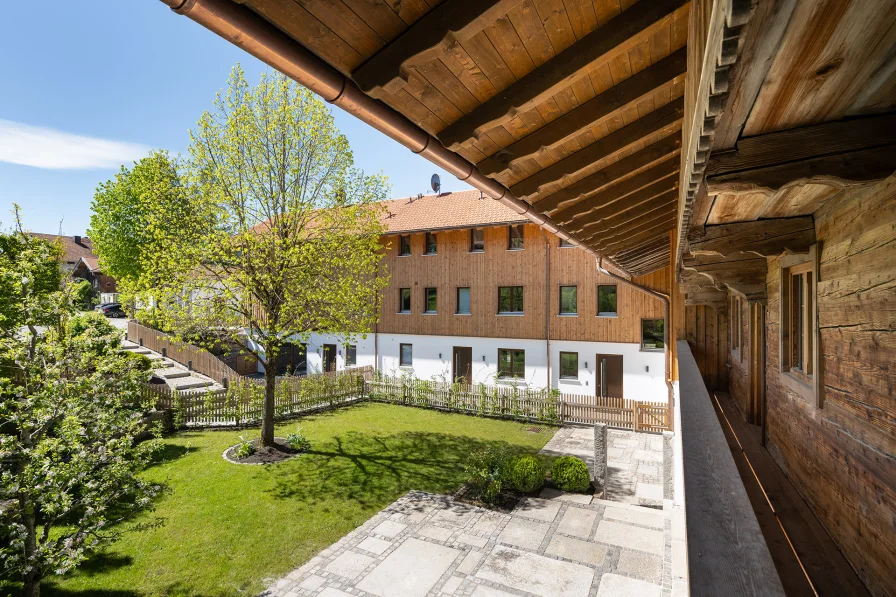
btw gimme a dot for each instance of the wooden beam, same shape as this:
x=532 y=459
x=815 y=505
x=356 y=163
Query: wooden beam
x=644 y=209
x=794 y=145
x=607 y=105
x=841 y=170
x=434 y=32
x=641 y=251
x=616 y=35
x=743 y=273
x=648 y=194
x=657 y=259
x=606 y=235
x=635 y=235
x=765 y=238
x=662 y=150
x=664 y=172
x=666 y=118
x=712 y=297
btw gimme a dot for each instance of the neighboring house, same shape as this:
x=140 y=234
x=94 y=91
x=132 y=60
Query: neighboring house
x=478 y=292
x=80 y=261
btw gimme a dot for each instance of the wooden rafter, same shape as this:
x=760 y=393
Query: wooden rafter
x=618 y=34
x=648 y=194
x=765 y=238
x=447 y=23
x=642 y=210
x=634 y=234
x=662 y=150
x=605 y=106
x=664 y=173
x=666 y=118
x=643 y=250
x=605 y=235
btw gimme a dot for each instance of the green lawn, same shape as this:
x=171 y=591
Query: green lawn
x=229 y=529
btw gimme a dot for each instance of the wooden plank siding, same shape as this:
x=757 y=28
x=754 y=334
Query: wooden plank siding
x=455 y=266
x=706 y=332
x=842 y=457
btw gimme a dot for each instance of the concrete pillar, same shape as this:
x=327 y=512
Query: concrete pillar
x=600 y=458
x=668 y=466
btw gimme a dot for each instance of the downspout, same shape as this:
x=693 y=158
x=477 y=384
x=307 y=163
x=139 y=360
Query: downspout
x=547 y=303
x=247 y=30
x=666 y=318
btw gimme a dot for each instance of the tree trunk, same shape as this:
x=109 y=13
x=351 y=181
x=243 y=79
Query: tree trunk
x=31 y=578
x=267 y=417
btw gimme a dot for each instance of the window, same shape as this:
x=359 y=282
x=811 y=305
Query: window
x=405 y=355
x=477 y=240
x=652 y=334
x=404 y=245
x=606 y=301
x=569 y=365
x=565 y=244
x=463 y=301
x=515 y=237
x=736 y=324
x=404 y=300
x=511 y=364
x=799 y=350
x=430 y=243
x=510 y=299
x=568 y=300
x=351 y=355
x=431 y=302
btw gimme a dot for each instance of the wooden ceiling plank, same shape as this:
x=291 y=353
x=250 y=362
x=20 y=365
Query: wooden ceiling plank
x=625 y=233
x=605 y=105
x=663 y=150
x=646 y=195
x=562 y=70
x=644 y=209
x=841 y=170
x=623 y=190
x=741 y=272
x=655 y=229
x=657 y=255
x=643 y=250
x=448 y=22
x=765 y=238
x=666 y=119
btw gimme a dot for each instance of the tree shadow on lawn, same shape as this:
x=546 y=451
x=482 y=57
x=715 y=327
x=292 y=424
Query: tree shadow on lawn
x=374 y=470
x=170 y=453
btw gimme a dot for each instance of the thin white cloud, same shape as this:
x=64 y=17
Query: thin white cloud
x=55 y=150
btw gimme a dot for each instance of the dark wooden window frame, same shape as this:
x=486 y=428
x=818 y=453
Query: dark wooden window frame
x=798 y=304
x=351 y=349
x=426 y=294
x=473 y=240
x=607 y=313
x=522 y=300
x=511 y=238
x=513 y=363
x=576 y=298
x=641 y=333
x=401 y=308
x=457 y=310
x=402 y=251
x=575 y=373
x=430 y=244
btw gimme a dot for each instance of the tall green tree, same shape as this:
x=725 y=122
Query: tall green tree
x=295 y=247
x=70 y=410
x=136 y=211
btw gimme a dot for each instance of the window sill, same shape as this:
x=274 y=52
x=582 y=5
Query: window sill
x=406 y=367
x=801 y=386
x=573 y=381
x=511 y=314
x=608 y=315
x=509 y=381
x=464 y=314
x=403 y=313
x=653 y=350
x=430 y=313
x=515 y=249
x=567 y=315
x=408 y=255
x=429 y=254
x=475 y=252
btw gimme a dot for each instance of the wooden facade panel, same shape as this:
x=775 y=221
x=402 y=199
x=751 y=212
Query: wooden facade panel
x=455 y=266
x=704 y=329
x=842 y=457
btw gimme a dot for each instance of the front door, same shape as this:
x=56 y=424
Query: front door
x=329 y=357
x=462 y=371
x=609 y=376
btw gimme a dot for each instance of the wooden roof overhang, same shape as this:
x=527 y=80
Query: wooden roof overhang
x=571 y=112
x=791 y=102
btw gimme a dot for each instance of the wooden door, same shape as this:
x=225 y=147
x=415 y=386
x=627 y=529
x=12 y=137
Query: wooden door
x=462 y=370
x=609 y=375
x=329 y=357
x=292 y=360
x=757 y=410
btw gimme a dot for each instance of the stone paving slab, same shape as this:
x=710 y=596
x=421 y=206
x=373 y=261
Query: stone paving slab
x=579 y=552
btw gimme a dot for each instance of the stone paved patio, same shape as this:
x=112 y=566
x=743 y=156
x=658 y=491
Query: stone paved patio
x=426 y=545
x=634 y=462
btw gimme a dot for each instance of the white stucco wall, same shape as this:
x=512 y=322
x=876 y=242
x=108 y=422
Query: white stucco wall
x=642 y=371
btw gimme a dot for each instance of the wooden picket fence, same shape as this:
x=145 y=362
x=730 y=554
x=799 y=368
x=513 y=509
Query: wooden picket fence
x=546 y=406
x=241 y=402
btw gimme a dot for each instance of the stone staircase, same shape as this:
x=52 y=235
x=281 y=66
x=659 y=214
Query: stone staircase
x=175 y=375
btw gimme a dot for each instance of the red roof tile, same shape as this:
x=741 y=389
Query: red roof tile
x=73 y=251
x=463 y=209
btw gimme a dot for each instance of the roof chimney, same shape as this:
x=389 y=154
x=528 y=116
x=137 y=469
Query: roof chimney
x=77 y=240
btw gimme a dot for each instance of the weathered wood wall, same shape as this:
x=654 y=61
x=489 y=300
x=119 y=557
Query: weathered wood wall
x=739 y=359
x=454 y=266
x=706 y=331
x=842 y=457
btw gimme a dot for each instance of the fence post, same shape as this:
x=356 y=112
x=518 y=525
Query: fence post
x=636 y=415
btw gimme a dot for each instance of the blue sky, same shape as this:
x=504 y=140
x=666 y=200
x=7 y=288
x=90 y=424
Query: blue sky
x=90 y=85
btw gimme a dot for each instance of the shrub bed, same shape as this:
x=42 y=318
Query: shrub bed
x=570 y=474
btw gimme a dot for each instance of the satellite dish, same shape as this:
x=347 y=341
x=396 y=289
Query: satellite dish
x=435 y=183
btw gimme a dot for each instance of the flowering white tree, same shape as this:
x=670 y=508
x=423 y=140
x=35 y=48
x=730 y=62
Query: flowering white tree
x=70 y=411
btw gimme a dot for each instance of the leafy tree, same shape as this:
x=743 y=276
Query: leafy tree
x=135 y=212
x=82 y=292
x=295 y=246
x=69 y=467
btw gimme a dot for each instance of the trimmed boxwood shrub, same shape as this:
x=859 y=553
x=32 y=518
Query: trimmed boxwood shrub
x=525 y=474
x=570 y=474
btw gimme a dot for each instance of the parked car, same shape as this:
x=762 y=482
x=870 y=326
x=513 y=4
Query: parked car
x=111 y=310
